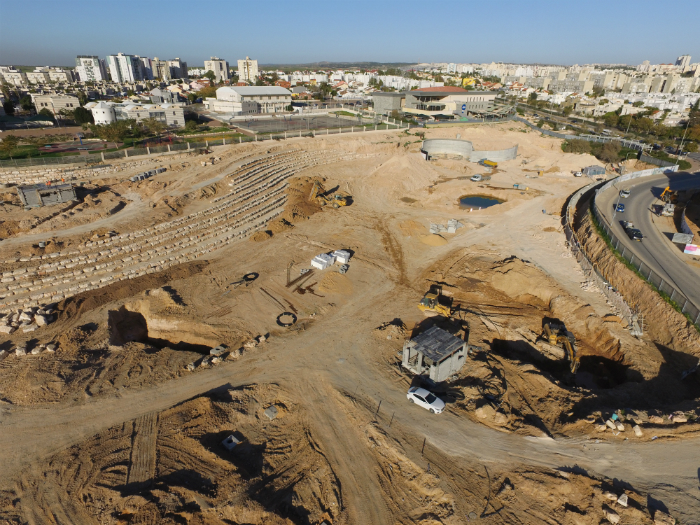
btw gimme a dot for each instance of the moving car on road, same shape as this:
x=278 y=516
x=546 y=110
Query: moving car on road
x=632 y=232
x=624 y=193
x=620 y=208
x=426 y=399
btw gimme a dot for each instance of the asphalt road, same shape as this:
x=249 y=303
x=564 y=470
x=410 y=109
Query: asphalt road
x=656 y=250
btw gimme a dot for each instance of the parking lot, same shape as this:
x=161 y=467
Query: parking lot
x=293 y=123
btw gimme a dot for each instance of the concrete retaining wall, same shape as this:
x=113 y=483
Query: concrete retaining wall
x=434 y=147
x=496 y=156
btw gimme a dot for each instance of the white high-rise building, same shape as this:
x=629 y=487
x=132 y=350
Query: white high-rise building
x=124 y=68
x=146 y=68
x=247 y=70
x=218 y=67
x=683 y=62
x=90 y=68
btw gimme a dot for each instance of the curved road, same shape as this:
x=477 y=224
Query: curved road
x=656 y=250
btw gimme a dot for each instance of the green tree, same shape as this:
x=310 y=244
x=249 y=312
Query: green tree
x=540 y=123
x=9 y=144
x=114 y=132
x=577 y=146
x=210 y=75
x=610 y=152
x=567 y=110
x=9 y=107
x=691 y=147
x=26 y=103
x=191 y=125
x=611 y=119
x=46 y=112
x=532 y=98
x=83 y=116
x=153 y=126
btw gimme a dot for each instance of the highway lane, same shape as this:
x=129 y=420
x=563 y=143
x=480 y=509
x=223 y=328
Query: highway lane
x=656 y=250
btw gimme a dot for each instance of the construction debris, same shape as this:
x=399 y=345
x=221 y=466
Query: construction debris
x=452 y=226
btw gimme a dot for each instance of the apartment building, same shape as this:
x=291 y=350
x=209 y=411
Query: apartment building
x=124 y=68
x=55 y=103
x=219 y=67
x=247 y=70
x=38 y=77
x=178 y=68
x=12 y=76
x=90 y=68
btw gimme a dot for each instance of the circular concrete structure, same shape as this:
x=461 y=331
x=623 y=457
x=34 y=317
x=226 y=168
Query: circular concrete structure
x=465 y=149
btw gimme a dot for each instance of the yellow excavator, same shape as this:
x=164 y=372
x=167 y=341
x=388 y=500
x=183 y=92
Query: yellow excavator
x=669 y=196
x=434 y=303
x=318 y=194
x=555 y=335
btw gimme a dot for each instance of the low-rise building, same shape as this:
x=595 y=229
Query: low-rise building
x=386 y=103
x=55 y=103
x=38 y=77
x=108 y=112
x=246 y=100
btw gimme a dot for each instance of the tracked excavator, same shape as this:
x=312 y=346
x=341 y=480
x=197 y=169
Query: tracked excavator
x=669 y=198
x=434 y=303
x=555 y=335
x=318 y=194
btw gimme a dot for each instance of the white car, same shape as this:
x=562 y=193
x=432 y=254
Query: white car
x=428 y=400
x=624 y=193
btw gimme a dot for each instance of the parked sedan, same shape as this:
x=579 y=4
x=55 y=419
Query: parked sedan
x=428 y=400
x=620 y=208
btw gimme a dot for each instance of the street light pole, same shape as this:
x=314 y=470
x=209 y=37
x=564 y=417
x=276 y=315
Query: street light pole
x=678 y=157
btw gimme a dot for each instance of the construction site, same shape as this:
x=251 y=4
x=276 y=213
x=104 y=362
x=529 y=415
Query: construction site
x=229 y=336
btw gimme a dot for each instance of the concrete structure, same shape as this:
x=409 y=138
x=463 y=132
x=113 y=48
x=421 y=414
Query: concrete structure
x=436 y=354
x=124 y=68
x=247 y=70
x=146 y=65
x=55 y=103
x=219 y=67
x=102 y=112
x=456 y=148
x=38 y=195
x=246 y=100
x=90 y=68
x=38 y=77
x=61 y=75
x=593 y=170
x=386 y=103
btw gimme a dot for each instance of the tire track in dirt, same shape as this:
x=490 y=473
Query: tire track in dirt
x=356 y=470
x=142 y=466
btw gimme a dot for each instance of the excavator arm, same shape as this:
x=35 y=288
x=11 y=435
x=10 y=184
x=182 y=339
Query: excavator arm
x=571 y=354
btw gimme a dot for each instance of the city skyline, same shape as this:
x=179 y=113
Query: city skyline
x=384 y=31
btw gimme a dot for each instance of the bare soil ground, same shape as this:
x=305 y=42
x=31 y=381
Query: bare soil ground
x=136 y=410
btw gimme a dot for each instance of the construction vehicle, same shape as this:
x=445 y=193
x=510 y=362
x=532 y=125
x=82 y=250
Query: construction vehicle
x=318 y=194
x=434 y=303
x=669 y=196
x=556 y=334
x=488 y=163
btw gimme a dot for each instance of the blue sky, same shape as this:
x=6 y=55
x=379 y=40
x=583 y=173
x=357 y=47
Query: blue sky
x=53 y=32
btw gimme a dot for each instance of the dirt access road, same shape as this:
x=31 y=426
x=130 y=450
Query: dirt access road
x=317 y=363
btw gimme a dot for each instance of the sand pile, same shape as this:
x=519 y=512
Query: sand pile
x=336 y=283
x=412 y=228
x=261 y=236
x=433 y=240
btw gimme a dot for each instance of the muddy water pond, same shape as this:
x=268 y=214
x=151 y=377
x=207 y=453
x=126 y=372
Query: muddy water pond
x=478 y=201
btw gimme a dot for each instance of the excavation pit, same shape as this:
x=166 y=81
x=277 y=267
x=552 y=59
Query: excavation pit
x=478 y=201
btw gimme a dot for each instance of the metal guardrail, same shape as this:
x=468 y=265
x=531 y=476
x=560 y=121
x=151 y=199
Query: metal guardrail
x=140 y=152
x=589 y=270
x=589 y=138
x=686 y=305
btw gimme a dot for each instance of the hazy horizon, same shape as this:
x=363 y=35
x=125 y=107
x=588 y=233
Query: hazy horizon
x=382 y=31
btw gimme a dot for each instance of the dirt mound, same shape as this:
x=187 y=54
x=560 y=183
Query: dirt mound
x=76 y=306
x=335 y=283
x=433 y=240
x=261 y=236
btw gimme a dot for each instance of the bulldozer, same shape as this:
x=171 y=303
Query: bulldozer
x=554 y=335
x=669 y=196
x=434 y=303
x=318 y=194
